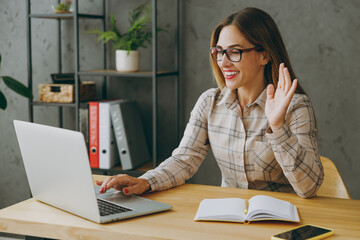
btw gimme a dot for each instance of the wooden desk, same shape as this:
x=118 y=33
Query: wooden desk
x=33 y=218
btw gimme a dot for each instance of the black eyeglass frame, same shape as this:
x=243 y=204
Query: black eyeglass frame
x=224 y=51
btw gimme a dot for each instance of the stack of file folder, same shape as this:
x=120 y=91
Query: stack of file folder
x=116 y=135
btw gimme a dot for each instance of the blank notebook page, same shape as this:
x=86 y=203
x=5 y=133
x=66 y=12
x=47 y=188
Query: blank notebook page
x=272 y=205
x=221 y=209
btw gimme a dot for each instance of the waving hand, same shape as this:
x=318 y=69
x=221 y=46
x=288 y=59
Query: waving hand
x=278 y=101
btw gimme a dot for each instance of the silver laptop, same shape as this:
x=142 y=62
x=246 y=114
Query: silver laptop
x=59 y=174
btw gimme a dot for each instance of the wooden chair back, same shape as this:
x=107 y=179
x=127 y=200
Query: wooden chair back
x=333 y=185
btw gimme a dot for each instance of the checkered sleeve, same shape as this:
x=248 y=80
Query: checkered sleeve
x=187 y=158
x=296 y=150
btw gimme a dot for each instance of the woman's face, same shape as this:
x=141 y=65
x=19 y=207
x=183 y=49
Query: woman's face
x=249 y=72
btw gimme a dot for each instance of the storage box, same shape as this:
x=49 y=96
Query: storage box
x=65 y=93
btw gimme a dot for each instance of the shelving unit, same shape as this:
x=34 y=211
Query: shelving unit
x=154 y=74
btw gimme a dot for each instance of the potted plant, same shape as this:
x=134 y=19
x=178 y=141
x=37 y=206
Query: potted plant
x=14 y=85
x=126 y=44
x=63 y=7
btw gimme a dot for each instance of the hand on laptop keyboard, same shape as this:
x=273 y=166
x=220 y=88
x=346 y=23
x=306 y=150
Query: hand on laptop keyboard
x=125 y=183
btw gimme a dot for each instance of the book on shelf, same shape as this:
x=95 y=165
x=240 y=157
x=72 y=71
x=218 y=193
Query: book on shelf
x=257 y=208
x=129 y=134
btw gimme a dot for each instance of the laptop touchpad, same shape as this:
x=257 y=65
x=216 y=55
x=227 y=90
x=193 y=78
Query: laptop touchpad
x=117 y=197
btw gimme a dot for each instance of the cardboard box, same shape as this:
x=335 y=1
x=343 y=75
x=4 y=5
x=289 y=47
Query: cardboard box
x=65 y=93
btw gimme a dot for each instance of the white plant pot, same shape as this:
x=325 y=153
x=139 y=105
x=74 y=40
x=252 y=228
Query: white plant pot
x=127 y=62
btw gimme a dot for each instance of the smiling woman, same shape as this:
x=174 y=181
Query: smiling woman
x=259 y=122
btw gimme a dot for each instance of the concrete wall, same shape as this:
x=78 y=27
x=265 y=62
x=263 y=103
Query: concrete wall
x=321 y=37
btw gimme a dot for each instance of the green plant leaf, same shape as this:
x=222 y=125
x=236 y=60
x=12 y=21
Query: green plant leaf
x=17 y=87
x=138 y=35
x=63 y=7
x=113 y=26
x=3 y=102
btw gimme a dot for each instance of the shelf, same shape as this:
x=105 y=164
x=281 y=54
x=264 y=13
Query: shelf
x=47 y=104
x=37 y=103
x=115 y=73
x=65 y=16
x=152 y=74
x=118 y=170
x=143 y=168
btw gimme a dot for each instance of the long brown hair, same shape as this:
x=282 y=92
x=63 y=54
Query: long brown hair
x=259 y=29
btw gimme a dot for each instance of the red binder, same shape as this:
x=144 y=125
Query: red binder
x=94 y=134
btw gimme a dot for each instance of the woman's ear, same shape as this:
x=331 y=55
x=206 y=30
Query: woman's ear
x=265 y=58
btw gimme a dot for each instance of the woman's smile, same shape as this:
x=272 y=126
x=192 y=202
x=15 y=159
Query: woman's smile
x=230 y=74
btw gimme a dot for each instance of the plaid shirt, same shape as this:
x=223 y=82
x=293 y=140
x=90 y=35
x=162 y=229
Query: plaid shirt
x=248 y=154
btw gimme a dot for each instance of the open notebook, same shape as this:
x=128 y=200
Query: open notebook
x=258 y=208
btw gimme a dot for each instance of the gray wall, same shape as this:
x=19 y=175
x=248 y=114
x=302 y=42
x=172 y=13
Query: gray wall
x=321 y=37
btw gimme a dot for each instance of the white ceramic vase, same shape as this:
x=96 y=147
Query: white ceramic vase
x=127 y=62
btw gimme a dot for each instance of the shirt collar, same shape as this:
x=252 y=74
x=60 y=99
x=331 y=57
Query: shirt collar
x=229 y=98
x=261 y=100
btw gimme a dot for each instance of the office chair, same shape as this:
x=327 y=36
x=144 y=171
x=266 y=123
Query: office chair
x=333 y=185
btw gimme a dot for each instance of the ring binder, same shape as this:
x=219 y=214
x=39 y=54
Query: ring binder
x=129 y=134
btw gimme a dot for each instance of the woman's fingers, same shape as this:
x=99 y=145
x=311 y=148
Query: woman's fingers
x=104 y=187
x=292 y=89
x=287 y=80
x=118 y=182
x=270 y=91
x=277 y=103
x=125 y=183
x=281 y=76
x=285 y=83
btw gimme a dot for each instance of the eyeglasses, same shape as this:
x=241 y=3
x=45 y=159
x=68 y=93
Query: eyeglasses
x=233 y=54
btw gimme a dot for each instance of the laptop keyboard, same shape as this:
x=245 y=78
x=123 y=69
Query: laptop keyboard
x=107 y=208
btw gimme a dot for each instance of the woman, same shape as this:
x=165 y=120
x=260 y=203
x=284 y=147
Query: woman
x=259 y=122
